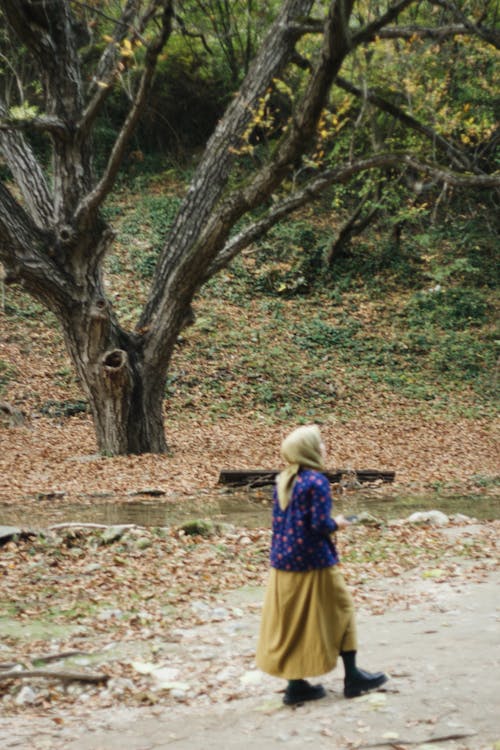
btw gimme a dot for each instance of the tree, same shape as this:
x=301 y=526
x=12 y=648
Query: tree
x=53 y=237
x=236 y=26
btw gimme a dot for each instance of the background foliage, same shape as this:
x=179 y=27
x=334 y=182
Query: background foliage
x=309 y=316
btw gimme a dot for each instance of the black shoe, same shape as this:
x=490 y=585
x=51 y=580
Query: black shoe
x=302 y=693
x=363 y=682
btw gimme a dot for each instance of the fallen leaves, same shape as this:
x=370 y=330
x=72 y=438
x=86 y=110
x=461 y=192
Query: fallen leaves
x=66 y=597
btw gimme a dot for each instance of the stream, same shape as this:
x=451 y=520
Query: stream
x=243 y=508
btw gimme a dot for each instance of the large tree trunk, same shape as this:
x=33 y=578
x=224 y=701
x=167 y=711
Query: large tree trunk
x=126 y=404
x=125 y=395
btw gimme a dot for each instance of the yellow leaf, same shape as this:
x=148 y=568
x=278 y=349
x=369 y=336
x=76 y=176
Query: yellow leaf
x=107 y=38
x=126 y=48
x=434 y=573
x=102 y=85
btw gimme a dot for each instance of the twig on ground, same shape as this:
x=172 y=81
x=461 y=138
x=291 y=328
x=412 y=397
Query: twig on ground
x=47 y=658
x=397 y=743
x=78 y=525
x=49 y=674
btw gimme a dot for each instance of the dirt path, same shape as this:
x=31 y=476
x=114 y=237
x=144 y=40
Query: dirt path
x=441 y=648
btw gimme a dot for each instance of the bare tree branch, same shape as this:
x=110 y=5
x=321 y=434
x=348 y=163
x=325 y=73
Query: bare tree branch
x=425 y=32
x=39 y=123
x=48 y=34
x=460 y=159
x=373 y=29
x=336 y=46
x=194 y=35
x=316 y=186
x=355 y=225
x=25 y=251
x=314 y=26
x=94 y=199
x=28 y=174
x=492 y=36
x=48 y=30
x=213 y=171
x=107 y=69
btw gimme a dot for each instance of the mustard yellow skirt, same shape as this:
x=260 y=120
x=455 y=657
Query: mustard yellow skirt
x=307 y=619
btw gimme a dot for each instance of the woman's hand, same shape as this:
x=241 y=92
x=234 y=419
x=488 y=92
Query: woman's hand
x=342 y=522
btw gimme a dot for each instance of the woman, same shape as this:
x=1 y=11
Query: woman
x=308 y=614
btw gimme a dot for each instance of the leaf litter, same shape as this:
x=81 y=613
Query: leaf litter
x=152 y=609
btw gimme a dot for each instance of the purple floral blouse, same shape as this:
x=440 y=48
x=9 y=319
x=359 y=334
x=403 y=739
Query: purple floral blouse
x=301 y=533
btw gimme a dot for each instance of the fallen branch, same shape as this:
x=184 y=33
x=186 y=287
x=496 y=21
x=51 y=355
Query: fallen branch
x=56 y=657
x=78 y=525
x=49 y=674
x=397 y=743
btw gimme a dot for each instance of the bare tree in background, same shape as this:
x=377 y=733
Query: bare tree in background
x=53 y=237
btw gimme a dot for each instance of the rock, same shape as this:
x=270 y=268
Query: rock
x=165 y=675
x=10 y=416
x=113 y=534
x=219 y=613
x=117 y=686
x=143 y=543
x=198 y=527
x=89 y=459
x=92 y=568
x=180 y=694
x=206 y=613
x=26 y=696
x=367 y=519
x=201 y=608
x=251 y=677
x=432 y=517
x=108 y=614
x=7 y=532
x=228 y=674
x=461 y=518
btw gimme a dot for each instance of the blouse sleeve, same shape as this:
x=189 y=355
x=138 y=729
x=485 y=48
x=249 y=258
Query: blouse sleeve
x=321 y=506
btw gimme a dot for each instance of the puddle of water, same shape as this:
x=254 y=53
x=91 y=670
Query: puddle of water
x=241 y=508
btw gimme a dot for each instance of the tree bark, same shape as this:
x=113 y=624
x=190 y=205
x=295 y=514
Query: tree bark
x=125 y=394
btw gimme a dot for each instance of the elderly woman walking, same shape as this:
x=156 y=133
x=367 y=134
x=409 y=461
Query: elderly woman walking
x=308 y=615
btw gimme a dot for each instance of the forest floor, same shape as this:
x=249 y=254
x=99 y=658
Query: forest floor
x=169 y=620
x=231 y=400
x=184 y=676
x=47 y=457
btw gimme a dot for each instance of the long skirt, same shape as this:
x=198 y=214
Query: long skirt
x=307 y=619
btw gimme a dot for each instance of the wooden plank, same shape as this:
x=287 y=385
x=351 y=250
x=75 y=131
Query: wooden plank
x=265 y=477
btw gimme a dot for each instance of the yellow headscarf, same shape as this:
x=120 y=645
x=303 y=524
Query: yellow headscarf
x=302 y=447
